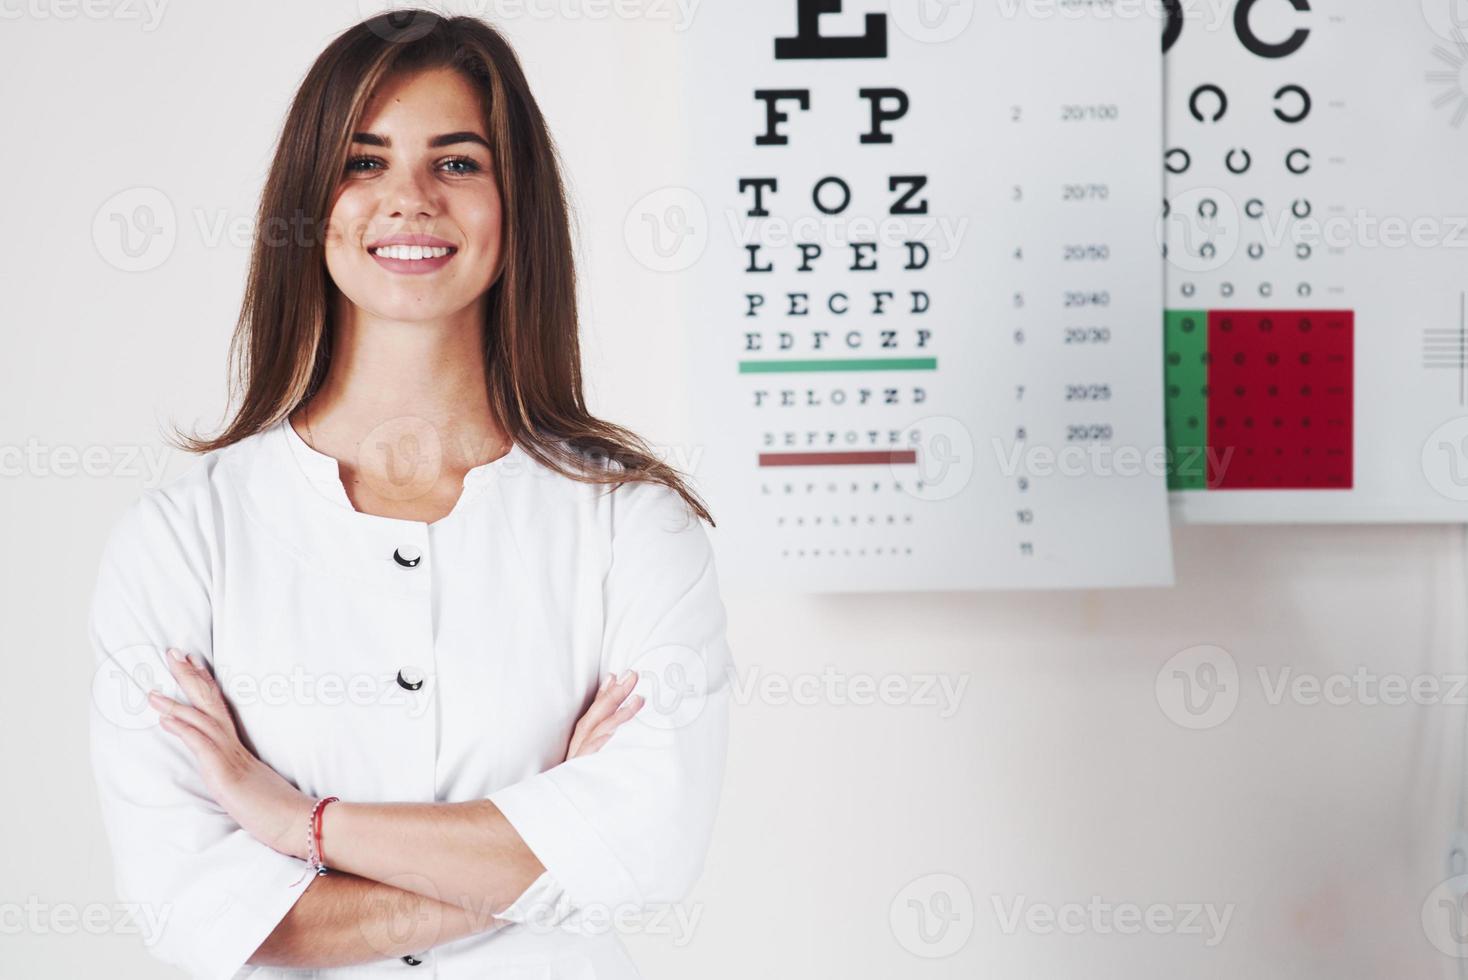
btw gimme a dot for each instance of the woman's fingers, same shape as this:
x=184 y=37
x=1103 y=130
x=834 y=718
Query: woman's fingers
x=619 y=717
x=607 y=698
x=588 y=721
x=595 y=744
x=608 y=728
x=185 y=714
x=598 y=736
x=200 y=744
x=195 y=682
x=198 y=683
x=607 y=713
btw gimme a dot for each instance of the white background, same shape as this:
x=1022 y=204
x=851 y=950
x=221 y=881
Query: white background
x=1059 y=777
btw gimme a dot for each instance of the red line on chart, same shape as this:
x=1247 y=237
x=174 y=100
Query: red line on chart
x=838 y=459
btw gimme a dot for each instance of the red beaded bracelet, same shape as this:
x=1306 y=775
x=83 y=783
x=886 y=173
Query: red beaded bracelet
x=314 y=861
x=316 y=831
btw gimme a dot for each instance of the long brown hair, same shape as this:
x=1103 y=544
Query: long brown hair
x=281 y=347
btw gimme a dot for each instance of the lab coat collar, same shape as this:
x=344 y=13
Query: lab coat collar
x=323 y=473
x=295 y=495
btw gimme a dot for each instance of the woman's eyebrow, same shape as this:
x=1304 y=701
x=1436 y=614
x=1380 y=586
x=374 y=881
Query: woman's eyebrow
x=447 y=139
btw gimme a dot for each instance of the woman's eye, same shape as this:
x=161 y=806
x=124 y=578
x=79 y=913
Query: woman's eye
x=457 y=165
x=469 y=164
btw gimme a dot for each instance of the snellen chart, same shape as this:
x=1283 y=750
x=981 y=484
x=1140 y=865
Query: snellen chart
x=924 y=323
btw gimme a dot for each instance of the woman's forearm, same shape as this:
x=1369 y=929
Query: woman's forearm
x=464 y=854
x=342 y=919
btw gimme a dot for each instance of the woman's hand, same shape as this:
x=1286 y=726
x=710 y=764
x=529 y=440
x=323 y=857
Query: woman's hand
x=259 y=799
x=268 y=807
x=606 y=714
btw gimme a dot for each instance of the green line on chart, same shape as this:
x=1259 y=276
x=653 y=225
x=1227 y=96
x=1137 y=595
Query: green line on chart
x=841 y=364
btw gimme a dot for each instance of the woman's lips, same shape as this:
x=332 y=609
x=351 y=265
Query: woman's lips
x=413 y=266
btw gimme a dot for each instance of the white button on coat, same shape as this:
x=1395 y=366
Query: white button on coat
x=521 y=599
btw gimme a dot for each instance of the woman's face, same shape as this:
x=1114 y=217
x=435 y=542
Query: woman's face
x=418 y=173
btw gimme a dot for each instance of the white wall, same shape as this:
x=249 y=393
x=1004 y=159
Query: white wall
x=1058 y=777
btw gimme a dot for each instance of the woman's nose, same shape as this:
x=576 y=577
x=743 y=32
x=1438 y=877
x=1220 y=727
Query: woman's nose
x=410 y=194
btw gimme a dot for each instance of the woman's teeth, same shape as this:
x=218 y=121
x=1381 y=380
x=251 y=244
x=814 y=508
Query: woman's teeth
x=410 y=252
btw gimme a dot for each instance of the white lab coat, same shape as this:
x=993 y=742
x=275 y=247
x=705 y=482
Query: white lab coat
x=456 y=678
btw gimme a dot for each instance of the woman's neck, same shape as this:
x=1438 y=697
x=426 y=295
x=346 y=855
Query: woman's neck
x=400 y=381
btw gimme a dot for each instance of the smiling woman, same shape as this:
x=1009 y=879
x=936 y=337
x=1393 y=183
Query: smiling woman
x=421 y=661
x=411 y=253
x=409 y=149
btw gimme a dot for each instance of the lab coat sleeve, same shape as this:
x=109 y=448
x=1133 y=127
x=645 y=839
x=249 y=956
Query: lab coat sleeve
x=216 y=892
x=629 y=825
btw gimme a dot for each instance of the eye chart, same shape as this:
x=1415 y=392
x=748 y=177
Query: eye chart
x=923 y=321
x=1316 y=224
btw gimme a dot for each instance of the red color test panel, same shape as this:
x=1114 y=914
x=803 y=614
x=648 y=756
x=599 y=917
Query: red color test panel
x=1279 y=399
